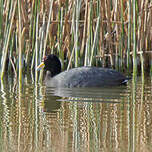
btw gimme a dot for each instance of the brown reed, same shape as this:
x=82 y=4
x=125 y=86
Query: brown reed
x=114 y=31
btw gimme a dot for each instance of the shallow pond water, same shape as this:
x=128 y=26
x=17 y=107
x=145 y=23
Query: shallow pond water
x=37 y=118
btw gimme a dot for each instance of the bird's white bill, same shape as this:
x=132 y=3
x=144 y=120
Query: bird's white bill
x=41 y=66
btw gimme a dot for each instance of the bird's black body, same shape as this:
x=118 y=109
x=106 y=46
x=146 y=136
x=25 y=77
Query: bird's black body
x=81 y=76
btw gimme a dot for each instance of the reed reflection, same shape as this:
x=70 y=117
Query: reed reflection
x=109 y=119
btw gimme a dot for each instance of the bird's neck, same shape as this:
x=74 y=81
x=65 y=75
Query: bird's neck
x=53 y=73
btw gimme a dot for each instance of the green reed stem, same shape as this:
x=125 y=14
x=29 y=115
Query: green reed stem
x=78 y=6
x=7 y=24
x=142 y=64
x=70 y=61
x=33 y=29
x=91 y=29
x=88 y=41
x=37 y=47
x=34 y=33
x=42 y=34
x=134 y=39
x=129 y=36
x=98 y=15
x=95 y=39
x=11 y=51
x=73 y=28
x=122 y=35
x=60 y=36
x=5 y=48
x=1 y=24
x=20 y=42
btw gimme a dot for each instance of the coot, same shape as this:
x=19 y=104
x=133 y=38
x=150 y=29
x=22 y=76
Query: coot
x=79 y=77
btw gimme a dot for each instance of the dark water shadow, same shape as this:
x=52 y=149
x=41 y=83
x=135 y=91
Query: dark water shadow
x=51 y=105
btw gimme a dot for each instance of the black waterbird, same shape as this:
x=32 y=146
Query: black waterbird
x=79 y=77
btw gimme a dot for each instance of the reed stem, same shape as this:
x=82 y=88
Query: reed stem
x=37 y=48
x=5 y=48
x=20 y=43
x=129 y=35
x=122 y=35
x=78 y=6
x=60 y=36
x=46 y=36
x=95 y=39
x=134 y=38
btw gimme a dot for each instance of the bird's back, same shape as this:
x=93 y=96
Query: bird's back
x=86 y=77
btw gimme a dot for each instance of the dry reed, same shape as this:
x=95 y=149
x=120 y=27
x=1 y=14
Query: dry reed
x=116 y=32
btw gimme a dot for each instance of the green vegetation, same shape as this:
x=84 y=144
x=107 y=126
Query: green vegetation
x=117 y=33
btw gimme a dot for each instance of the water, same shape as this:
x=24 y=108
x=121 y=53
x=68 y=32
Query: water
x=76 y=120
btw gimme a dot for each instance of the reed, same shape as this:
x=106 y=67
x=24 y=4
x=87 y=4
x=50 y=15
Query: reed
x=94 y=42
x=134 y=38
x=129 y=35
x=36 y=48
x=89 y=36
x=20 y=42
x=1 y=23
x=60 y=35
x=115 y=31
x=122 y=36
x=46 y=36
x=7 y=39
x=33 y=30
x=76 y=36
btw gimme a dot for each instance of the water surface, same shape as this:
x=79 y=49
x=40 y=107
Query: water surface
x=37 y=118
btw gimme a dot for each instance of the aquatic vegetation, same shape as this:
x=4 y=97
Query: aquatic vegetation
x=107 y=33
